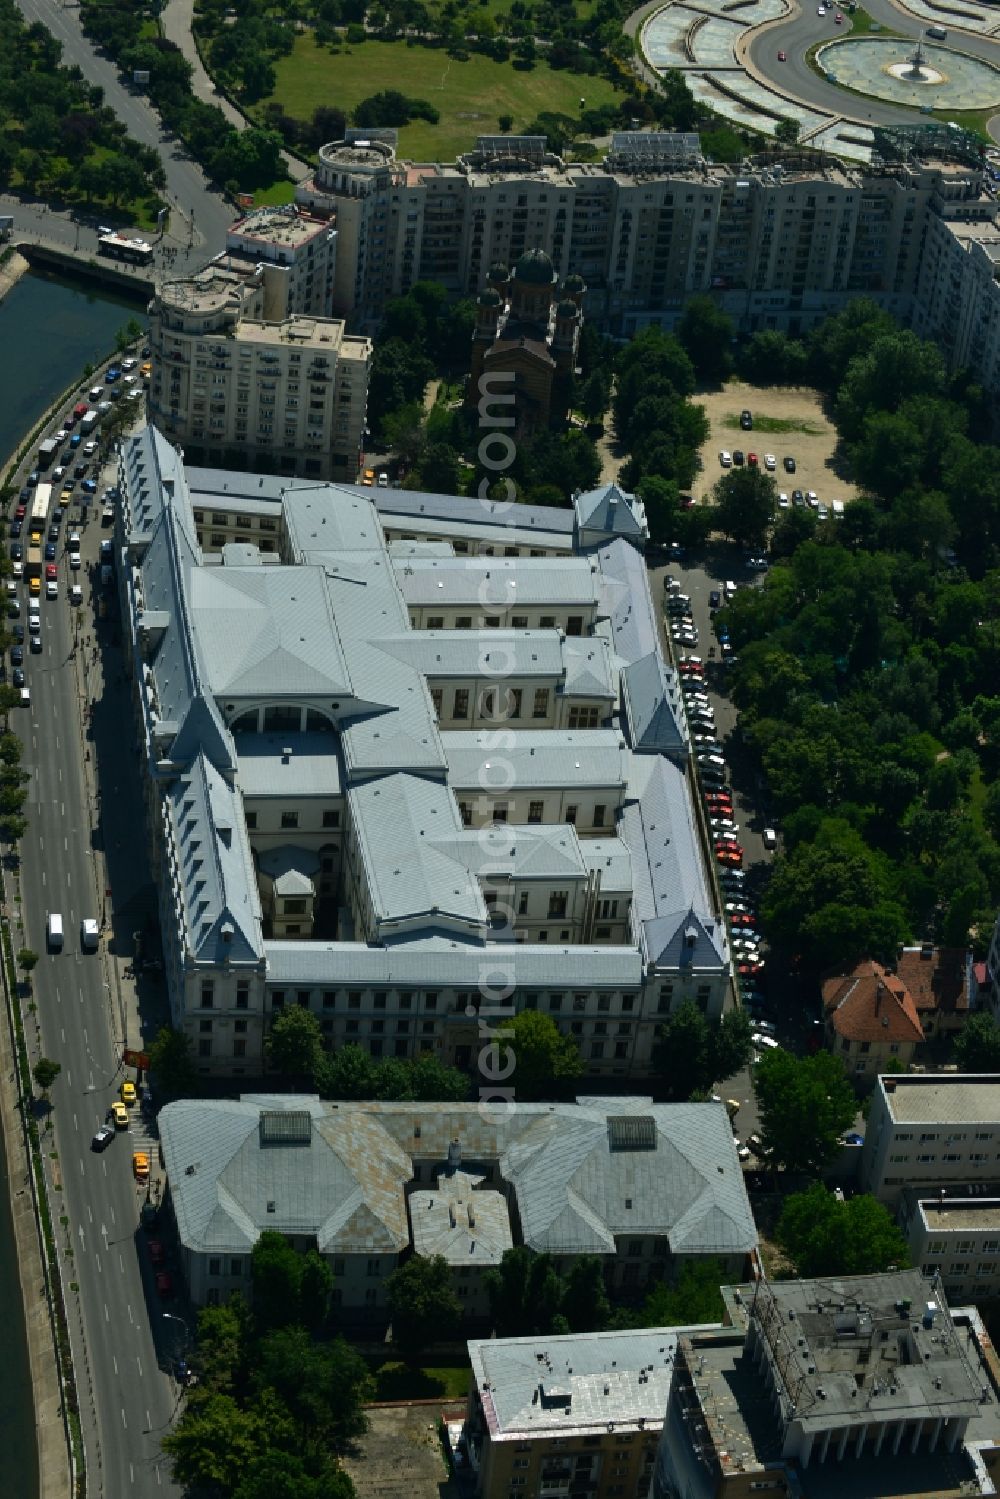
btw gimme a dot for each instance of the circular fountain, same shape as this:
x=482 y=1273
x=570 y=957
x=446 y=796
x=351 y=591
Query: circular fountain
x=938 y=78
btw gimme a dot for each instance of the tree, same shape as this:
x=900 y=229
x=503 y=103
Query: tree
x=223 y=1334
x=691 y=1053
x=172 y=1063
x=439 y=472
x=786 y=132
x=349 y=1074
x=805 y=1104
x=977 y=1045
x=693 y=1297
x=546 y=1063
x=746 y=501
x=506 y=123
x=706 y=332
x=316 y=1290
x=45 y=1072
x=423 y=1304
x=295 y=1043
x=433 y=1081
x=595 y=395
x=525 y=1293
x=276 y=1270
x=584 y=1301
x=320 y=1385
x=215 y=1442
x=26 y=960
x=825 y=1236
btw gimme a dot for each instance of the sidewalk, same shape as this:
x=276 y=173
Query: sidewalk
x=176 y=20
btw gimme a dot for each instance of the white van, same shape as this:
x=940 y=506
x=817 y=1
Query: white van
x=54 y=931
x=837 y=506
x=770 y=838
x=25 y=697
x=729 y=589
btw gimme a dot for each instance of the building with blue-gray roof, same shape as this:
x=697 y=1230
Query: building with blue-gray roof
x=387 y=814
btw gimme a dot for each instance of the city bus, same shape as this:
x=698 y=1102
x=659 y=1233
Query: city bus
x=39 y=518
x=118 y=247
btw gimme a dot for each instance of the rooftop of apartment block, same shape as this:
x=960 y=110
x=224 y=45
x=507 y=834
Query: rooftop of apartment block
x=852 y=1350
x=950 y=1098
x=217 y=288
x=960 y=1214
x=730 y=1420
x=285 y=227
x=301 y=331
x=539 y=1386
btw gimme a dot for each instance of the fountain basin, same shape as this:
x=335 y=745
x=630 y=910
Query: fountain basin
x=885 y=68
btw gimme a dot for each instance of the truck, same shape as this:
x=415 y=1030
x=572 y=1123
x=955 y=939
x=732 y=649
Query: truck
x=89 y=422
x=33 y=566
x=47 y=450
x=837 y=506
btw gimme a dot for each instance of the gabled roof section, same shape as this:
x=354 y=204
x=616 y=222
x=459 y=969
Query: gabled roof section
x=214 y=867
x=625 y=600
x=653 y=711
x=672 y=900
x=267 y=632
x=588 y=668
x=871 y=1004
x=403 y=826
x=610 y=511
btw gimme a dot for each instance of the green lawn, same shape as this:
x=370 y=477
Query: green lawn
x=776 y=424
x=396 y=1381
x=469 y=95
x=277 y=193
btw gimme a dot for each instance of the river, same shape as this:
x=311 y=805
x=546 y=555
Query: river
x=49 y=329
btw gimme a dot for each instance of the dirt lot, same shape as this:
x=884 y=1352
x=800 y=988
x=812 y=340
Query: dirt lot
x=400 y=1456
x=787 y=419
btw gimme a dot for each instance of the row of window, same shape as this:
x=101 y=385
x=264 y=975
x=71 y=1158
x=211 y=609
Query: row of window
x=536 y=813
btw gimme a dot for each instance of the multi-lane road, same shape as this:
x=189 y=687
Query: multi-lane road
x=124 y=1348
x=200 y=214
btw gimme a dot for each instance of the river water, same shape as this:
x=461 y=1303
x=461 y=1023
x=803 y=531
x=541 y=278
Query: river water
x=49 y=329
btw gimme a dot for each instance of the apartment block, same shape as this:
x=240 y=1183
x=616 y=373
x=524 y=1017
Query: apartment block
x=931 y=1131
x=778 y=243
x=645 y=1187
x=955 y=1237
x=846 y=1385
x=297 y=254
x=234 y=386
x=393 y=826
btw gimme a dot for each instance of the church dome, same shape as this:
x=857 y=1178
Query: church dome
x=536 y=268
x=574 y=284
x=567 y=308
x=489 y=298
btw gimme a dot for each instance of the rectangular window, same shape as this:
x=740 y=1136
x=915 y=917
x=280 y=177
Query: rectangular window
x=540 y=707
x=535 y=810
x=331 y=818
x=461 y=708
x=599 y=815
x=289 y=819
x=571 y=815
x=207 y=994
x=251 y=821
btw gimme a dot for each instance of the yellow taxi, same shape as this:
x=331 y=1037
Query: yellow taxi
x=119 y=1116
x=146 y=371
x=369 y=478
x=140 y=1165
x=34 y=586
x=128 y=1093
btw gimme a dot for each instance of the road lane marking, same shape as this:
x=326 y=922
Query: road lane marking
x=107 y=1314
x=76 y=1122
x=124 y=1422
x=128 y=1305
x=115 y=1362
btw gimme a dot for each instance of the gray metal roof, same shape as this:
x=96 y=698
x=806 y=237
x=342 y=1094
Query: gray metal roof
x=652 y=706
x=312 y=768
x=626 y=600
x=559 y=758
x=611 y=511
x=464 y=1225
x=214 y=867
x=610 y=858
x=519 y=851
x=442 y=963
x=672 y=900
x=343 y=1176
x=410 y=504
x=267 y=632
x=589 y=667
x=402 y=825
x=497 y=583
x=465 y=653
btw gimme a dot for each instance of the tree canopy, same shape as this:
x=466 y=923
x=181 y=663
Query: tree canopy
x=423 y=1304
x=825 y=1236
x=805 y=1105
x=691 y=1053
x=547 y=1063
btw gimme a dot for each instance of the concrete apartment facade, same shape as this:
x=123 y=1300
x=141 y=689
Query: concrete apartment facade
x=247 y=369
x=931 y=1131
x=645 y=1187
x=956 y=1238
x=777 y=243
x=326 y=831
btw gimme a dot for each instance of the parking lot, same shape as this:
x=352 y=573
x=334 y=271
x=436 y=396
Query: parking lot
x=788 y=420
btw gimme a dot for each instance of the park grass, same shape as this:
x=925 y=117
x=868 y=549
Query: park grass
x=775 y=424
x=470 y=96
x=398 y=1381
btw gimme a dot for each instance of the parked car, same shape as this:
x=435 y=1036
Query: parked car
x=789 y=464
x=103 y=1138
x=726 y=458
x=746 y=420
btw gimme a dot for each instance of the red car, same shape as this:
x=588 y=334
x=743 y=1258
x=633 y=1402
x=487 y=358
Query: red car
x=726 y=854
x=20 y=512
x=165 y=1284
x=51 y=572
x=742 y=919
x=751 y=460
x=157 y=1253
x=838 y=19
x=782 y=57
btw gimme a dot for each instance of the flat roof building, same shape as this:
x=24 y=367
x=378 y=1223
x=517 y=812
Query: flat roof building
x=929 y=1131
